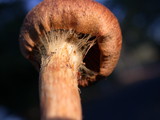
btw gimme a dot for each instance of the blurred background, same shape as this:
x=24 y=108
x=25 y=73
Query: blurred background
x=132 y=92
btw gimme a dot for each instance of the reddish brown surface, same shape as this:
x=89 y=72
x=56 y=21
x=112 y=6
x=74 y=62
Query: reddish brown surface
x=83 y=16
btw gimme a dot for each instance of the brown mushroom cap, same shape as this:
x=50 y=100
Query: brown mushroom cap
x=82 y=16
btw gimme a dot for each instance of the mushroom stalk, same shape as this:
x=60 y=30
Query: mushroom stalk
x=59 y=95
x=61 y=54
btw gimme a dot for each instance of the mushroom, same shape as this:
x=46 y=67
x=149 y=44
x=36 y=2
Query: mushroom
x=70 y=42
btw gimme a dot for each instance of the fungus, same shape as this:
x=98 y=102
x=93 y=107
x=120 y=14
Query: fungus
x=69 y=42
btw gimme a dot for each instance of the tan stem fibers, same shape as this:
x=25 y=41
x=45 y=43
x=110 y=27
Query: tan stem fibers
x=61 y=56
x=59 y=92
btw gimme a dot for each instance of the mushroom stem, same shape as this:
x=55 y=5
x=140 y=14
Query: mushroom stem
x=59 y=93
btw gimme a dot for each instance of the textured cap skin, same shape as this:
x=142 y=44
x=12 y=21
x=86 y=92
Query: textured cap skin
x=83 y=16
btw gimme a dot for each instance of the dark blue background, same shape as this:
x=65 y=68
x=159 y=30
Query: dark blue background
x=132 y=92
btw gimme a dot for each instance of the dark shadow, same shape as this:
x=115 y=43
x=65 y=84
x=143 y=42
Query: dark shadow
x=58 y=118
x=140 y=101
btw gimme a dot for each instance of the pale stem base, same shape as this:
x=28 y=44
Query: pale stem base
x=59 y=93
